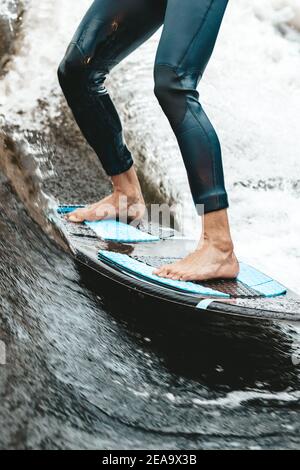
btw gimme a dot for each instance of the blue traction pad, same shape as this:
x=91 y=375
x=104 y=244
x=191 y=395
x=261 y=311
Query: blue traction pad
x=249 y=276
x=145 y=271
x=65 y=209
x=112 y=230
x=260 y=282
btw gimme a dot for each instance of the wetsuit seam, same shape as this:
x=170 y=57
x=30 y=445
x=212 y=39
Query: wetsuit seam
x=210 y=147
x=127 y=160
x=188 y=107
x=174 y=67
x=177 y=68
x=196 y=34
x=187 y=130
x=82 y=36
x=79 y=49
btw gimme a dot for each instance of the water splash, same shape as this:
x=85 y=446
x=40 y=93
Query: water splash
x=9 y=10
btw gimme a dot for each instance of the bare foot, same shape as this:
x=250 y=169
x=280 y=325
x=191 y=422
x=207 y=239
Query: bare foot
x=205 y=263
x=126 y=208
x=213 y=259
x=126 y=202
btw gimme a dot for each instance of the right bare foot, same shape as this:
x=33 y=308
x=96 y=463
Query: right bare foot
x=117 y=205
x=126 y=202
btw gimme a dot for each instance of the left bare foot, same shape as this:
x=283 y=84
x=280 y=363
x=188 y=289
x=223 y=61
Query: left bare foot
x=213 y=259
x=206 y=263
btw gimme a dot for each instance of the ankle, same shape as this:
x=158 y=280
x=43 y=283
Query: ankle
x=216 y=231
x=220 y=242
x=127 y=184
x=132 y=194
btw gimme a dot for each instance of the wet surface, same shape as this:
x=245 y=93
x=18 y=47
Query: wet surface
x=83 y=373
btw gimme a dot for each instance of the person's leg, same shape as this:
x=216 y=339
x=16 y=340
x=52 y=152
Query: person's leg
x=187 y=41
x=110 y=31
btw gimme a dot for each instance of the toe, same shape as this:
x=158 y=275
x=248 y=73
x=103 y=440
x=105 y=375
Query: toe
x=75 y=216
x=175 y=272
x=160 y=271
x=186 y=277
x=170 y=273
x=157 y=271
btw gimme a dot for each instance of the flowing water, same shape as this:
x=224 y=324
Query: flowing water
x=82 y=372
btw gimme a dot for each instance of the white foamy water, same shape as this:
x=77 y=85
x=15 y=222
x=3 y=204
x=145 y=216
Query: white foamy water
x=8 y=11
x=251 y=91
x=279 y=12
x=48 y=26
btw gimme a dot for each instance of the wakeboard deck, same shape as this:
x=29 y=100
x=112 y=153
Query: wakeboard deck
x=126 y=256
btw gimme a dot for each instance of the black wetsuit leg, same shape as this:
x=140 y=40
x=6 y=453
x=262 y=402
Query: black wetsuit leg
x=109 y=32
x=188 y=38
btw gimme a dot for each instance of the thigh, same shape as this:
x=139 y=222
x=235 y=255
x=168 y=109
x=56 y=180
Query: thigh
x=190 y=32
x=112 y=29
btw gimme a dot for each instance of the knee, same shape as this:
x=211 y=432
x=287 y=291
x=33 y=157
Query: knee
x=71 y=69
x=163 y=82
x=78 y=74
x=171 y=94
x=62 y=74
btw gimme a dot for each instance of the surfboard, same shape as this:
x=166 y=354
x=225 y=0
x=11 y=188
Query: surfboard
x=123 y=258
